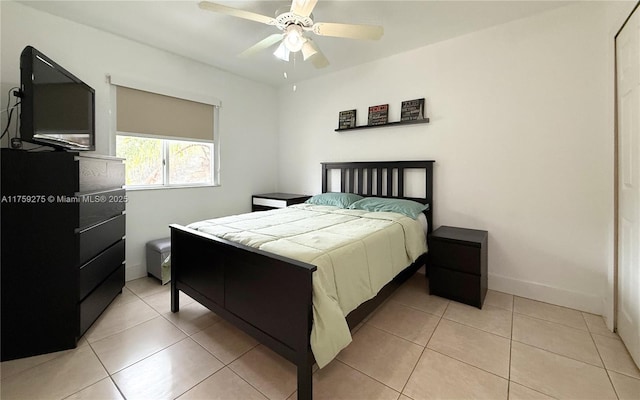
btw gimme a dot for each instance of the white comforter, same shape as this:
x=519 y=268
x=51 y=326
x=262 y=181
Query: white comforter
x=356 y=252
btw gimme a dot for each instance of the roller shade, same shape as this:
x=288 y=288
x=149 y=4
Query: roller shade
x=156 y=114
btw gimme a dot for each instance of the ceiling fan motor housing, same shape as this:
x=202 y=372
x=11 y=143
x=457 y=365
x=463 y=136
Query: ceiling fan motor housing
x=285 y=19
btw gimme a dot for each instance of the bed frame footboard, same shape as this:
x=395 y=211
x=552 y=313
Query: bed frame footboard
x=267 y=296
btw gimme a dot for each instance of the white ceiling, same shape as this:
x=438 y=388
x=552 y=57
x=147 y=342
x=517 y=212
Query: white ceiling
x=181 y=27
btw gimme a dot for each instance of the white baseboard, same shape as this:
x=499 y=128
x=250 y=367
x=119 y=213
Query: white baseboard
x=132 y=272
x=531 y=290
x=607 y=313
x=549 y=294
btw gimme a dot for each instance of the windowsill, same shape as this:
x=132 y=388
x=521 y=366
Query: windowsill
x=140 y=188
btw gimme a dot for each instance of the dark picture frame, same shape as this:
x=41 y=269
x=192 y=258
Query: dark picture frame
x=378 y=115
x=347 y=119
x=412 y=110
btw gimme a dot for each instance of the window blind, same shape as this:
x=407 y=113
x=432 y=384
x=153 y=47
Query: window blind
x=144 y=112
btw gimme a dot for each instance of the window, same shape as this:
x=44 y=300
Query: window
x=153 y=162
x=166 y=141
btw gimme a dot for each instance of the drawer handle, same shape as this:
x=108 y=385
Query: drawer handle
x=101 y=223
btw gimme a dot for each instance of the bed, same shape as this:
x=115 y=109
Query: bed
x=270 y=296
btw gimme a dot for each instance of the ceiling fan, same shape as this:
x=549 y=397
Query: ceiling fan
x=294 y=24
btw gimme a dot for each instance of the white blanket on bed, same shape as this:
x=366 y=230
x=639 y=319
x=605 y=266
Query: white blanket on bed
x=357 y=252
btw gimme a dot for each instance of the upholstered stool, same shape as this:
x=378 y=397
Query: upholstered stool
x=157 y=252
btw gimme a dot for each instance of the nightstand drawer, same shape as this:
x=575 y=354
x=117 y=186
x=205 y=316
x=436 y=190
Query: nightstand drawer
x=273 y=203
x=270 y=201
x=458 y=286
x=455 y=256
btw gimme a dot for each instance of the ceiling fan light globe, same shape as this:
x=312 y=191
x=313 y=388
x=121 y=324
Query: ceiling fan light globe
x=295 y=45
x=308 y=50
x=282 y=52
x=293 y=38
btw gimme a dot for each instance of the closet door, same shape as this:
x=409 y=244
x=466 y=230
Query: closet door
x=628 y=104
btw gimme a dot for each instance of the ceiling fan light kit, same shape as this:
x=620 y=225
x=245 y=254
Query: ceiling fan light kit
x=294 y=24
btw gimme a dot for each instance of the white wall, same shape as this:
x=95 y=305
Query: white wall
x=520 y=132
x=521 y=128
x=90 y=54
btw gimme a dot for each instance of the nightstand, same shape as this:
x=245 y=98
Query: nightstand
x=458 y=264
x=269 y=201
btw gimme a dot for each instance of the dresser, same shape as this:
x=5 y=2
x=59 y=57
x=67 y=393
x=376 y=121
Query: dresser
x=63 y=247
x=458 y=264
x=269 y=201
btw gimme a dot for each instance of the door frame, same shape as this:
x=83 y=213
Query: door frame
x=616 y=185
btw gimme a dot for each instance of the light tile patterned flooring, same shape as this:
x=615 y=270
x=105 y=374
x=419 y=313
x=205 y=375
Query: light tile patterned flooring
x=415 y=346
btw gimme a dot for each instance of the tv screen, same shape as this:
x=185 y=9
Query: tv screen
x=57 y=109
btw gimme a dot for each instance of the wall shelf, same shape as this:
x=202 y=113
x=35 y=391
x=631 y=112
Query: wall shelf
x=412 y=122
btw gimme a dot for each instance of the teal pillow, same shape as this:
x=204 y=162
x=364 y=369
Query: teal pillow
x=410 y=208
x=342 y=200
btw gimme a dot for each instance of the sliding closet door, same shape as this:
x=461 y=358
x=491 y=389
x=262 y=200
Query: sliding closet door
x=628 y=97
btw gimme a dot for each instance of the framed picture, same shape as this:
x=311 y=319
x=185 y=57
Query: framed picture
x=412 y=110
x=347 y=119
x=379 y=115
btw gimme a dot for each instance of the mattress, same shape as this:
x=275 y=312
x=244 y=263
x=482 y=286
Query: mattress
x=356 y=253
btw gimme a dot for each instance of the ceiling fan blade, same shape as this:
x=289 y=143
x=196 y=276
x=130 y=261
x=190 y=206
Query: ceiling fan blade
x=303 y=8
x=261 y=45
x=209 y=6
x=372 y=32
x=319 y=60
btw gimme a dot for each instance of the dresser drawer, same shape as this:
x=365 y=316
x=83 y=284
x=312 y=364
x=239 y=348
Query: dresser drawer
x=459 y=286
x=99 y=299
x=98 y=237
x=96 y=270
x=99 y=174
x=98 y=207
x=455 y=256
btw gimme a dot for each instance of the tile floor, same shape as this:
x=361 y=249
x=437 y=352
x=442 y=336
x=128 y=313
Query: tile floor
x=415 y=346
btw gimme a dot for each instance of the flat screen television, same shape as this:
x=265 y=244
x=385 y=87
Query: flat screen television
x=57 y=108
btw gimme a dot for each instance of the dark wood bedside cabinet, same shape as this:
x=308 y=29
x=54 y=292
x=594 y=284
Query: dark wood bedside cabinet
x=458 y=264
x=269 y=201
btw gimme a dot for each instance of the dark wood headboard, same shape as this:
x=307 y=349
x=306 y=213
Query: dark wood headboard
x=381 y=179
